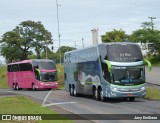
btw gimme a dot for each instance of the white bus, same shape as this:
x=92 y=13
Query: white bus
x=110 y=70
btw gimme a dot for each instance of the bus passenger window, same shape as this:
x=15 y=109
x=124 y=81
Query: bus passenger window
x=76 y=76
x=65 y=76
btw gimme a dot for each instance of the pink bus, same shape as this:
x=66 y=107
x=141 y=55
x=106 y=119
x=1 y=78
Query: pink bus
x=32 y=74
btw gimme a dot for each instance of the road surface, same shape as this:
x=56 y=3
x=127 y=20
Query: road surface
x=87 y=105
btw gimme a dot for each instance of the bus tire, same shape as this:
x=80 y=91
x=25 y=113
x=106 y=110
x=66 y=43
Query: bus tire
x=75 y=92
x=17 y=87
x=131 y=99
x=101 y=96
x=71 y=90
x=96 y=95
x=33 y=87
x=14 y=86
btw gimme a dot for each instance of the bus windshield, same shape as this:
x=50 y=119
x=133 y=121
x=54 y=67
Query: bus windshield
x=128 y=75
x=48 y=76
x=124 y=53
x=45 y=65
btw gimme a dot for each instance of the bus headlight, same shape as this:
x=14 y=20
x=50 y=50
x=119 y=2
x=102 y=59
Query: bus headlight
x=114 y=89
x=142 y=88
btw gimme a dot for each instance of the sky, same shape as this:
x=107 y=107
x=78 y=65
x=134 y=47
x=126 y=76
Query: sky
x=78 y=17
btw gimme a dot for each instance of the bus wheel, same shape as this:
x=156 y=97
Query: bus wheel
x=71 y=90
x=33 y=87
x=17 y=88
x=96 y=94
x=101 y=96
x=14 y=86
x=131 y=99
x=75 y=92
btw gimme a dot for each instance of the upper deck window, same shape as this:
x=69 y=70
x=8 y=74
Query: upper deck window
x=124 y=53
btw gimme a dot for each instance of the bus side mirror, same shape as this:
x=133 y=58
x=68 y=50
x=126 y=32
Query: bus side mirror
x=58 y=70
x=149 y=64
x=109 y=65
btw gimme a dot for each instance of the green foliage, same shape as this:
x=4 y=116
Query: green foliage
x=23 y=105
x=17 y=44
x=63 y=49
x=60 y=76
x=155 y=60
x=114 y=36
x=3 y=77
x=147 y=35
x=152 y=93
x=147 y=25
x=52 y=55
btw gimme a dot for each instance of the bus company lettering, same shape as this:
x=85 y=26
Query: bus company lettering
x=125 y=55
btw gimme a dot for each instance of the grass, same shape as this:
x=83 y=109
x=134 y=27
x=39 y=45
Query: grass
x=23 y=105
x=3 y=77
x=155 y=60
x=152 y=93
x=60 y=76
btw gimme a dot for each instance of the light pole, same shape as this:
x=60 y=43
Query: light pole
x=46 y=45
x=82 y=43
x=58 y=31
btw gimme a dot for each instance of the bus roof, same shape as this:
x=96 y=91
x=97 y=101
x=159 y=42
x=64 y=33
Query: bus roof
x=112 y=43
x=30 y=61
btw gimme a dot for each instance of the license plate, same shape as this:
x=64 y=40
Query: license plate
x=130 y=95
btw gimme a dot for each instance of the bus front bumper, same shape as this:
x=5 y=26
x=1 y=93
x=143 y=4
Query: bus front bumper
x=47 y=85
x=138 y=92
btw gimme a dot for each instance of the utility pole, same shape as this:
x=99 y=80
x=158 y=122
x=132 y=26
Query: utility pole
x=46 y=45
x=75 y=45
x=152 y=20
x=58 y=31
x=82 y=43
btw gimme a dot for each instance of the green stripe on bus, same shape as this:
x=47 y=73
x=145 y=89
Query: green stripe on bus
x=128 y=86
x=89 y=82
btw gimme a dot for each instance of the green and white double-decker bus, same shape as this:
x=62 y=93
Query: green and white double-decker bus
x=109 y=70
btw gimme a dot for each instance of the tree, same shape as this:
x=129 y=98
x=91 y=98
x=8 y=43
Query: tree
x=63 y=49
x=114 y=36
x=54 y=55
x=147 y=35
x=10 y=47
x=28 y=35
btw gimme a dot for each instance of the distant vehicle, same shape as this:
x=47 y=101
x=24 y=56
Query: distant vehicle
x=32 y=74
x=113 y=70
